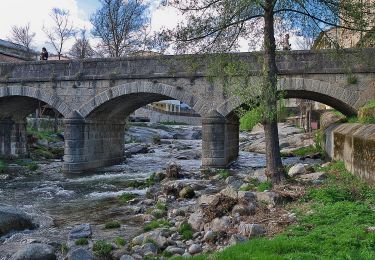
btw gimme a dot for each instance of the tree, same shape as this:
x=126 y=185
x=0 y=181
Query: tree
x=61 y=31
x=81 y=49
x=22 y=36
x=119 y=26
x=218 y=25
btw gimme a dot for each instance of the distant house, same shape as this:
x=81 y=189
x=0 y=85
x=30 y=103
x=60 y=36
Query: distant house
x=11 y=52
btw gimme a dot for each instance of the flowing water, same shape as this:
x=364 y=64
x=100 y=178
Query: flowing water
x=58 y=202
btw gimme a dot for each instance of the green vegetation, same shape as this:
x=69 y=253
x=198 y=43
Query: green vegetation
x=161 y=206
x=3 y=166
x=255 y=184
x=370 y=104
x=157 y=224
x=250 y=119
x=186 y=231
x=267 y=185
x=112 y=224
x=64 y=248
x=32 y=166
x=81 y=241
x=119 y=241
x=50 y=136
x=332 y=222
x=102 y=248
x=126 y=197
x=156 y=139
x=352 y=79
x=303 y=151
x=223 y=173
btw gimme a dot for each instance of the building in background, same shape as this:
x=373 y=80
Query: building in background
x=11 y=52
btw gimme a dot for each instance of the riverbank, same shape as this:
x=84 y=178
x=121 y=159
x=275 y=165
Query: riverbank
x=159 y=203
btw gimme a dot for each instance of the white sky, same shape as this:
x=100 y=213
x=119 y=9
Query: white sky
x=36 y=12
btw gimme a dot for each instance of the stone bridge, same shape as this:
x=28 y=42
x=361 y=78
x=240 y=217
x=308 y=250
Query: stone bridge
x=95 y=96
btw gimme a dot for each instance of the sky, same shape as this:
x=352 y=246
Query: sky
x=36 y=12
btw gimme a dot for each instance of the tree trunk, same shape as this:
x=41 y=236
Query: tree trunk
x=274 y=168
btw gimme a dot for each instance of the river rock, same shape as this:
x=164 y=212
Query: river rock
x=209 y=236
x=251 y=230
x=220 y=224
x=314 y=177
x=157 y=235
x=35 y=252
x=187 y=193
x=175 y=250
x=12 y=218
x=195 y=249
x=230 y=192
x=80 y=231
x=80 y=254
x=127 y=257
x=196 y=220
x=207 y=199
x=149 y=249
x=269 y=197
x=236 y=239
x=135 y=148
x=246 y=196
x=244 y=209
x=297 y=169
x=173 y=171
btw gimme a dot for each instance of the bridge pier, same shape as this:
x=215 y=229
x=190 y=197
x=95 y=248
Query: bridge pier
x=220 y=140
x=13 y=140
x=91 y=144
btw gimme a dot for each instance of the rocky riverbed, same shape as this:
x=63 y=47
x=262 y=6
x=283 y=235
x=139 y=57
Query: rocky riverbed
x=158 y=203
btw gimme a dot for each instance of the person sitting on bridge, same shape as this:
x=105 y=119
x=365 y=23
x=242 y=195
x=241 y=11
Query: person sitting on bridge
x=44 y=54
x=286 y=44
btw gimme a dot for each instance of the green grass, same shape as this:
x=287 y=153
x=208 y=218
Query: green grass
x=161 y=206
x=267 y=185
x=50 y=136
x=223 y=173
x=126 y=197
x=112 y=224
x=255 y=184
x=102 y=248
x=186 y=231
x=370 y=104
x=81 y=241
x=32 y=166
x=3 y=166
x=332 y=222
x=157 y=224
x=250 y=119
x=119 y=241
x=304 y=151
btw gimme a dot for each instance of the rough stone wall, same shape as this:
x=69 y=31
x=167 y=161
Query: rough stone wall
x=13 y=142
x=92 y=144
x=355 y=145
x=156 y=117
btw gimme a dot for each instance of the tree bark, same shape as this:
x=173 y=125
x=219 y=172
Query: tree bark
x=274 y=167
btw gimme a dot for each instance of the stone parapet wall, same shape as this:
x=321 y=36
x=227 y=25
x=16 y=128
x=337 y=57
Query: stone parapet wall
x=355 y=145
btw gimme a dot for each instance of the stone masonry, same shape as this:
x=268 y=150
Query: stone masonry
x=96 y=95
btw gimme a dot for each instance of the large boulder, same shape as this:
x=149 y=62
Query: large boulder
x=196 y=220
x=297 y=169
x=12 y=219
x=251 y=230
x=35 y=252
x=80 y=254
x=173 y=171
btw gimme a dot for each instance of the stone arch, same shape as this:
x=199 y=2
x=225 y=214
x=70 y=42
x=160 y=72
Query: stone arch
x=141 y=93
x=341 y=98
x=35 y=93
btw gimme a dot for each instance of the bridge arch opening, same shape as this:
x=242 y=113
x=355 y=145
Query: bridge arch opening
x=18 y=107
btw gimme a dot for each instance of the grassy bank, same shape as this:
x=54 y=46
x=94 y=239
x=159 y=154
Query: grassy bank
x=332 y=222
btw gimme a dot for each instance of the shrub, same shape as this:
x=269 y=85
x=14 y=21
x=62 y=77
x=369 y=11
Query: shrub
x=161 y=206
x=112 y=224
x=120 y=241
x=250 y=119
x=126 y=197
x=186 y=231
x=157 y=224
x=81 y=241
x=102 y=248
x=352 y=79
x=224 y=173
x=264 y=186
